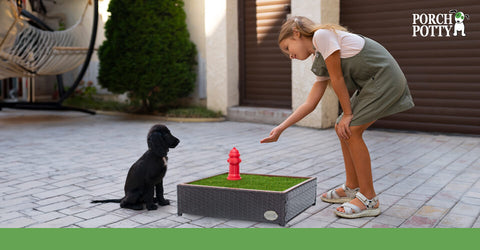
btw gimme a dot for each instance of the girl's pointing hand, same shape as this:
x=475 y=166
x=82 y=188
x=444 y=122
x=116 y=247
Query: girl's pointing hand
x=274 y=135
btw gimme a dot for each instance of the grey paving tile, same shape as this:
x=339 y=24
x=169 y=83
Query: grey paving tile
x=188 y=225
x=17 y=222
x=124 y=224
x=267 y=225
x=311 y=223
x=240 y=223
x=100 y=221
x=423 y=180
x=52 y=200
x=466 y=209
x=385 y=220
x=208 y=222
x=164 y=223
x=374 y=224
x=470 y=200
x=223 y=226
x=477 y=223
x=452 y=220
x=431 y=212
x=400 y=211
x=412 y=203
x=48 y=216
x=340 y=225
x=65 y=221
x=9 y=216
x=419 y=222
x=149 y=216
x=56 y=206
x=91 y=213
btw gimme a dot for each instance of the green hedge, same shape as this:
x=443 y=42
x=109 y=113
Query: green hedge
x=147 y=52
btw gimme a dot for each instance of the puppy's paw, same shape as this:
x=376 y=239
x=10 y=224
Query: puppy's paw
x=163 y=202
x=152 y=207
x=132 y=206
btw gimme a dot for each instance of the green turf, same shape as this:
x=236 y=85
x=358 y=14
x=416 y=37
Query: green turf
x=251 y=181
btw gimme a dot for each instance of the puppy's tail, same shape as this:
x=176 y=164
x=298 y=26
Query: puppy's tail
x=107 y=201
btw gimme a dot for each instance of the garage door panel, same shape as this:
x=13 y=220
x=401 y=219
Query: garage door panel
x=459 y=86
x=461 y=112
x=265 y=73
x=359 y=7
x=426 y=126
x=443 y=72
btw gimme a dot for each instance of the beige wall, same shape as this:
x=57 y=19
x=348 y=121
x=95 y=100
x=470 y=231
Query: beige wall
x=324 y=116
x=195 y=10
x=221 y=30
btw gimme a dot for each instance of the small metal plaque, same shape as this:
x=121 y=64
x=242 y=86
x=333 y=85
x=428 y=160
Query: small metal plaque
x=270 y=215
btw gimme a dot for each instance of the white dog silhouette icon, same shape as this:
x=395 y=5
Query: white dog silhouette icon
x=459 y=18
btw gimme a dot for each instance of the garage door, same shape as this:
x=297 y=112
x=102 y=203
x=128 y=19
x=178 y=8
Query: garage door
x=443 y=72
x=265 y=73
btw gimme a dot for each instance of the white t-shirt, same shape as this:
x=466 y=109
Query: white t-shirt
x=327 y=41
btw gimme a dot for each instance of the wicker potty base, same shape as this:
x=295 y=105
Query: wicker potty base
x=246 y=204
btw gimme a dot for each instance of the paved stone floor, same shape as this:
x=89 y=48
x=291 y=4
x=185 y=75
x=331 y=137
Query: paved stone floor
x=52 y=164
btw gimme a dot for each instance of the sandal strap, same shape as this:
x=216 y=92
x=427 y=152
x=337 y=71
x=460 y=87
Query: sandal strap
x=332 y=194
x=368 y=203
x=350 y=192
x=350 y=208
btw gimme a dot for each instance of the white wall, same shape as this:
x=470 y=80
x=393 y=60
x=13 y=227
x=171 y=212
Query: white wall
x=324 y=116
x=195 y=10
x=221 y=30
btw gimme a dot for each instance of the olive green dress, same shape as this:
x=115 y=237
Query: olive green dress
x=380 y=87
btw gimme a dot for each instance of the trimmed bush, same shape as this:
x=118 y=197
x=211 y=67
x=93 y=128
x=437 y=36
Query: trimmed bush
x=147 y=52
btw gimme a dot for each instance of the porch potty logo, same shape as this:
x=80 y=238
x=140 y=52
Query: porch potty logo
x=439 y=25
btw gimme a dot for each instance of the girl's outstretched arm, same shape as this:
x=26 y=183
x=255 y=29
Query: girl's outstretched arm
x=315 y=95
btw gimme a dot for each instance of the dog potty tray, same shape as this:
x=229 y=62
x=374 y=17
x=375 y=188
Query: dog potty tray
x=247 y=204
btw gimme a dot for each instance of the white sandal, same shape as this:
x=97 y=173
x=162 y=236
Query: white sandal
x=333 y=197
x=353 y=211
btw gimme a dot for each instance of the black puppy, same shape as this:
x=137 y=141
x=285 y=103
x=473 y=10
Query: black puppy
x=147 y=173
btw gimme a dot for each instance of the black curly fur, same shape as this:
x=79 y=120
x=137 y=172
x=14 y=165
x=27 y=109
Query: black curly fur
x=145 y=177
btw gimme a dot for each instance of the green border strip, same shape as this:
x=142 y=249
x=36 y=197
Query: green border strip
x=230 y=239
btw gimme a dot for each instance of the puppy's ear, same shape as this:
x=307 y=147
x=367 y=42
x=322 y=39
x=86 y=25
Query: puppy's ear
x=453 y=11
x=157 y=144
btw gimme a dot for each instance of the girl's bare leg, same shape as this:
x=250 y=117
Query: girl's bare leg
x=352 y=180
x=360 y=157
x=351 y=175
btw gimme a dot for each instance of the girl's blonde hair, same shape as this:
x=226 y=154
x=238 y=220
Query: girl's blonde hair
x=305 y=26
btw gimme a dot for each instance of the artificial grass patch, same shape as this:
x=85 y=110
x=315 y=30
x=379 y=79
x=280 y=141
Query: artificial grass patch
x=252 y=181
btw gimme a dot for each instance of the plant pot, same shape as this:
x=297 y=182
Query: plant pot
x=247 y=204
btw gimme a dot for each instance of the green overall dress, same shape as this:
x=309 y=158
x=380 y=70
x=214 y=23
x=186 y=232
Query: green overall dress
x=380 y=87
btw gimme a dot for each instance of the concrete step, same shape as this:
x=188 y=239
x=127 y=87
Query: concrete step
x=258 y=114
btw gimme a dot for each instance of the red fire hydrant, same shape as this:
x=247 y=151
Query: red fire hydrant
x=234 y=160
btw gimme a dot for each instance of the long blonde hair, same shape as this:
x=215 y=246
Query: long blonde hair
x=305 y=26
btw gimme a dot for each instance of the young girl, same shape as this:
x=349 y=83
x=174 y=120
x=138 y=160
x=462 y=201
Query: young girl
x=356 y=63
